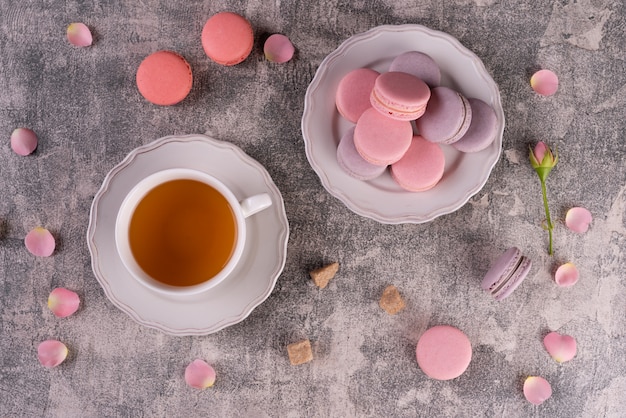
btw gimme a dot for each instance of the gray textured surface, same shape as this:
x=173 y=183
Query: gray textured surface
x=84 y=105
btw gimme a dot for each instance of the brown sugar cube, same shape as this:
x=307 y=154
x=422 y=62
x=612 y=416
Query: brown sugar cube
x=322 y=276
x=391 y=301
x=300 y=352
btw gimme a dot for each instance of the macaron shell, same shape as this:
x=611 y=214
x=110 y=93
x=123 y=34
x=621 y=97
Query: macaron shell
x=443 y=352
x=381 y=140
x=482 y=129
x=400 y=96
x=418 y=64
x=164 y=78
x=447 y=117
x=351 y=161
x=227 y=38
x=421 y=167
x=353 y=93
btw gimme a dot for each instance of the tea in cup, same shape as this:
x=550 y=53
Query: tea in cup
x=182 y=231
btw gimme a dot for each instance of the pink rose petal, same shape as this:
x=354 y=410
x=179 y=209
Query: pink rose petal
x=63 y=302
x=544 y=82
x=23 y=141
x=540 y=151
x=51 y=353
x=566 y=275
x=79 y=34
x=278 y=48
x=199 y=374
x=561 y=347
x=537 y=389
x=578 y=219
x=40 y=242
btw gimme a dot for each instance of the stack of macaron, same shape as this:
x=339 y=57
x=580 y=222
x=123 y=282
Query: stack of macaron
x=383 y=107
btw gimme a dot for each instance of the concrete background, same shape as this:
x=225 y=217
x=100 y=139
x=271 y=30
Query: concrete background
x=84 y=105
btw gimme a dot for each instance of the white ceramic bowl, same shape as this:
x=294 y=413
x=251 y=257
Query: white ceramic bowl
x=382 y=199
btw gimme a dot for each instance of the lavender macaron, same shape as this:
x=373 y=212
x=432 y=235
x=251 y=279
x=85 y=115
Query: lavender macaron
x=482 y=130
x=351 y=161
x=418 y=64
x=506 y=274
x=447 y=117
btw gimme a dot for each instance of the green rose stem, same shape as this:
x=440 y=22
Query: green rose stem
x=550 y=227
x=542 y=160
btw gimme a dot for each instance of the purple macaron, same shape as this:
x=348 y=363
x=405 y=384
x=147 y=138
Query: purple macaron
x=351 y=161
x=482 y=130
x=447 y=117
x=418 y=64
x=506 y=274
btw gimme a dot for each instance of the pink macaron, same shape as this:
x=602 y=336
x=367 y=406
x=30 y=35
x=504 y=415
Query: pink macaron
x=351 y=161
x=353 y=93
x=381 y=140
x=227 y=38
x=400 y=96
x=164 y=78
x=418 y=64
x=421 y=167
x=482 y=130
x=506 y=273
x=443 y=352
x=447 y=117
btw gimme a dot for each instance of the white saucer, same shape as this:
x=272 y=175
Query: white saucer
x=382 y=199
x=252 y=280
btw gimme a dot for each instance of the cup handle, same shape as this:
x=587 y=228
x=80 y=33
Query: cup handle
x=255 y=204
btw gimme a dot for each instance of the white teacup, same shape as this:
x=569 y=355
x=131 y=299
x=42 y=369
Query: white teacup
x=182 y=231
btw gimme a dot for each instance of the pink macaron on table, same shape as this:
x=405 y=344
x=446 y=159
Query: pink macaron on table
x=382 y=198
